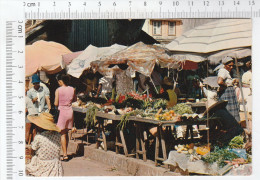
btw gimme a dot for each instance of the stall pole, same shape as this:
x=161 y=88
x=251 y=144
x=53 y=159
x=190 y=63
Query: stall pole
x=241 y=90
x=154 y=85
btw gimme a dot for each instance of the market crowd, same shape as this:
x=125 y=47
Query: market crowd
x=50 y=115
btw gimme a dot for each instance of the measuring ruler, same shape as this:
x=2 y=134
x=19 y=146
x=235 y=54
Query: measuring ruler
x=13 y=16
x=141 y=9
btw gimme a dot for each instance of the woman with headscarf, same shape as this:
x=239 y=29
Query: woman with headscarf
x=226 y=90
x=46 y=145
x=64 y=97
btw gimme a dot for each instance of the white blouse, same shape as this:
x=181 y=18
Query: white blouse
x=223 y=73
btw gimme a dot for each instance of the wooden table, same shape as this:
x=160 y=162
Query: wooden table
x=141 y=133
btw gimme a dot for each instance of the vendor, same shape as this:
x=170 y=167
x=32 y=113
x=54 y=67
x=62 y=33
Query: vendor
x=91 y=80
x=226 y=127
x=168 y=93
x=226 y=90
x=196 y=91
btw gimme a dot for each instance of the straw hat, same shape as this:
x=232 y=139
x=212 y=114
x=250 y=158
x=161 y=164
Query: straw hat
x=44 y=121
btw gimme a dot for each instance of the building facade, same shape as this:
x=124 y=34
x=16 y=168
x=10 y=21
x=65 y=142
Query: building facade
x=163 y=30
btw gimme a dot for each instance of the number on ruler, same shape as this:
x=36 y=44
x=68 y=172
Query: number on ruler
x=19 y=66
x=99 y=3
x=206 y=3
x=54 y=3
x=130 y=3
x=69 y=4
x=145 y=3
x=20 y=51
x=190 y=3
x=84 y=4
x=20 y=142
x=236 y=3
x=221 y=3
x=20 y=173
x=160 y=3
x=21 y=157
x=175 y=3
x=114 y=3
x=251 y=3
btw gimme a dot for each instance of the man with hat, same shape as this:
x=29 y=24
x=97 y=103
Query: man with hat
x=39 y=95
x=46 y=146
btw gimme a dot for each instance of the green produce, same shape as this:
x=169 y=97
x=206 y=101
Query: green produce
x=160 y=103
x=219 y=156
x=182 y=108
x=90 y=118
x=123 y=121
x=237 y=142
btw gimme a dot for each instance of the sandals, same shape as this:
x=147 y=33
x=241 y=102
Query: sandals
x=65 y=158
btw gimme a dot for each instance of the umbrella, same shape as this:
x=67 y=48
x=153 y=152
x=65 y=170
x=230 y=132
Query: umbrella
x=140 y=57
x=214 y=36
x=91 y=53
x=44 y=56
x=67 y=58
x=238 y=53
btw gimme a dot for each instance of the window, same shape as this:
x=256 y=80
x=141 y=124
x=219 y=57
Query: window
x=157 y=27
x=171 y=28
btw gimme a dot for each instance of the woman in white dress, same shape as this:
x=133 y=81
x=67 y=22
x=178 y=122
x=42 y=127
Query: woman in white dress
x=46 y=145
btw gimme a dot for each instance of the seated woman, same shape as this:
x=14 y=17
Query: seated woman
x=46 y=144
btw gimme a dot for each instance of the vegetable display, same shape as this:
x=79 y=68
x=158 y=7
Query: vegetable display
x=182 y=108
x=219 y=156
x=90 y=118
x=237 y=142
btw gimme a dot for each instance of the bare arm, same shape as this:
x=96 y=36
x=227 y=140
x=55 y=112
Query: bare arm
x=74 y=96
x=222 y=84
x=47 y=98
x=56 y=101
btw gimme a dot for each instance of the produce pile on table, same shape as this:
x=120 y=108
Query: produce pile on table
x=232 y=154
x=139 y=105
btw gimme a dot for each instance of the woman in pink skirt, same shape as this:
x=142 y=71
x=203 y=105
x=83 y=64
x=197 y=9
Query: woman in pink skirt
x=64 y=96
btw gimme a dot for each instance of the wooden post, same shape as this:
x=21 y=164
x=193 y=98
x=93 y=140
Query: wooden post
x=157 y=146
x=123 y=142
x=137 y=142
x=104 y=137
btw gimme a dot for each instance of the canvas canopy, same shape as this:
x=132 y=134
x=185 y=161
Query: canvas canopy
x=67 y=58
x=91 y=53
x=215 y=36
x=235 y=53
x=139 y=57
x=44 y=56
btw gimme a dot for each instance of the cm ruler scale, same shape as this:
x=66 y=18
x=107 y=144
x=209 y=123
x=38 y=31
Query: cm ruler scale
x=15 y=127
x=13 y=16
x=135 y=9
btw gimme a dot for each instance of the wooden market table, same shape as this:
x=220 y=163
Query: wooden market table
x=141 y=133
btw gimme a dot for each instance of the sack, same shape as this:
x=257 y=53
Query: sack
x=55 y=112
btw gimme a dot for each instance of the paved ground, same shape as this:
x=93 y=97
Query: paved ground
x=82 y=166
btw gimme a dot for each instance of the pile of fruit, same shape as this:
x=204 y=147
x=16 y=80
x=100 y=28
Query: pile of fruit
x=186 y=149
x=167 y=116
